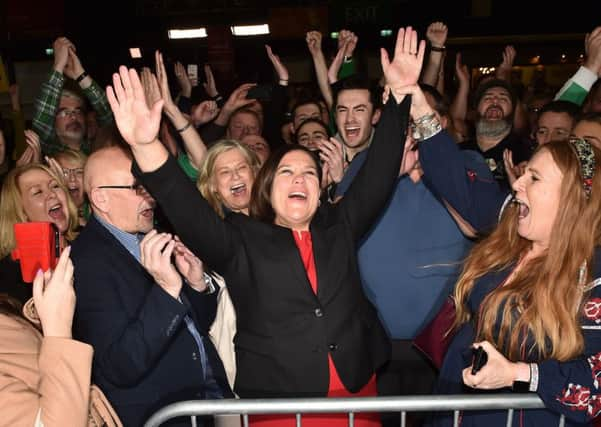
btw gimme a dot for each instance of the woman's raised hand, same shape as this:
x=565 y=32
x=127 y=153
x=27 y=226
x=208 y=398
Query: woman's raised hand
x=407 y=62
x=138 y=124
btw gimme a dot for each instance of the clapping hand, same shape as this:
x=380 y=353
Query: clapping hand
x=155 y=256
x=204 y=112
x=332 y=155
x=189 y=265
x=278 y=66
x=210 y=86
x=182 y=77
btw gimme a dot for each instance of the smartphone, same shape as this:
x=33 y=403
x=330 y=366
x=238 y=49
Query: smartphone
x=260 y=92
x=479 y=359
x=37 y=247
x=193 y=74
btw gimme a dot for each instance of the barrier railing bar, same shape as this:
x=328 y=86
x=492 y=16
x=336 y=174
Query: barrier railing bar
x=340 y=405
x=509 y=417
x=403 y=419
x=456 y=418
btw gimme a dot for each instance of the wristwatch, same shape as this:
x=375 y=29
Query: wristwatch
x=211 y=288
x=425 y=127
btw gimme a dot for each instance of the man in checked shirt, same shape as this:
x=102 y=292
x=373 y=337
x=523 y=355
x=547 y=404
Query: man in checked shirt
x=60 y=111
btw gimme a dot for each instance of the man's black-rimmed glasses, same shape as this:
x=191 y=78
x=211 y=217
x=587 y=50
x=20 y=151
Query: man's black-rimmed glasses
x=138 y=188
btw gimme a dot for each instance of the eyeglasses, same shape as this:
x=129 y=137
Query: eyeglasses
x=138 y=188
x=64 y=112
x=77 y=172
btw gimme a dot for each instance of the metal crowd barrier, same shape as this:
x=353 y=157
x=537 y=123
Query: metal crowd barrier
x=402 y=404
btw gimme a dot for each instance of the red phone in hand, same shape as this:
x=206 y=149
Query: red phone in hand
x=38 y=247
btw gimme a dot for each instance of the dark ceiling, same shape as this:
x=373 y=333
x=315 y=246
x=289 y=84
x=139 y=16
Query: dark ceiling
x=104 y=30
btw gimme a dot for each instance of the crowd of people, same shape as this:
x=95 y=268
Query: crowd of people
x=222 y=248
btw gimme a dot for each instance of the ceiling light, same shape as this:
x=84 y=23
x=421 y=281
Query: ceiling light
x=334 y=35
x=250 y=30
x=385 y=33
x=190 y=33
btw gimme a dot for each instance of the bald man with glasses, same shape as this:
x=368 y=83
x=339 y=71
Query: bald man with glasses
x=143 y=300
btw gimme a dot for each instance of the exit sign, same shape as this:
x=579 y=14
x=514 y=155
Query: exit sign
x=366 y=15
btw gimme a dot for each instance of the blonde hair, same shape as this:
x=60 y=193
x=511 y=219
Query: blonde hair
x=71 y=154
x=11 y=207
x=543 y=300
x=207 y=170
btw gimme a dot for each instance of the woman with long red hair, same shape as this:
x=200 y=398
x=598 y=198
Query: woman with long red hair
x=529 y=296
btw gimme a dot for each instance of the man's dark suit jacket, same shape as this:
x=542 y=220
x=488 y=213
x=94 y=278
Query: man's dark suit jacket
x=144 y=356
x=284 y=331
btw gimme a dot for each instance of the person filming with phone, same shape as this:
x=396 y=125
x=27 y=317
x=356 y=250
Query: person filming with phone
x=45 y=373
x=31 y=193
x=528 y=297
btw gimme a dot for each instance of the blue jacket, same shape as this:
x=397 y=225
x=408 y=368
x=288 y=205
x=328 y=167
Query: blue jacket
x=410 y=259
x=452 y=176
x=570 y=388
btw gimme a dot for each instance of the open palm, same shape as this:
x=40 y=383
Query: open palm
x=406 y=65
x=137 y=123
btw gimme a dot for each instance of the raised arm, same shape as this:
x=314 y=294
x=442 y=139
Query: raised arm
x=472 y=192
x=46 y=103
x=369 y=191
x=459 y=106
x=437 y=37
x=193 y=144
x=182 y=79
x=577 y=87
x=90 y=88
x=236 y=100
x=503 y=71
x=521 y=123
x=274 y=116
x=197 y=224
x=319 y=63
x=349 y=40
x=336 y=65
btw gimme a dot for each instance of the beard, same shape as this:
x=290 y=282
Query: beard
x=72 y=131
x=493 y=128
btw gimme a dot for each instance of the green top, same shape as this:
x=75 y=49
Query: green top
x=184 y=162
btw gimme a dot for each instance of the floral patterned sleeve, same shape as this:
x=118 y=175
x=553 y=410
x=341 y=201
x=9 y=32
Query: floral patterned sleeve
x=573 y=388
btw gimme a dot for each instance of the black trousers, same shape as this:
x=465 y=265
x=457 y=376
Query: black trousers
x=407 y=373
